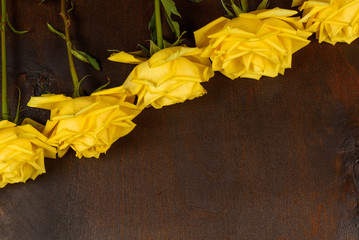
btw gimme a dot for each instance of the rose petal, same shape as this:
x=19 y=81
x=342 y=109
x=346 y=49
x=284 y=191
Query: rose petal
x=255 y=44
x=22 y=152
x=89 y=125
x=332 y=21
x=170 y=76
x=127 y=57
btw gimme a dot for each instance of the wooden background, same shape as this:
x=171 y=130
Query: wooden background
x=269 y=159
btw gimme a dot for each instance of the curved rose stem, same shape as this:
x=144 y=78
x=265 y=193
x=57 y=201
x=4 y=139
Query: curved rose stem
x=74 y=76
x=4 y=108
x=158 y=24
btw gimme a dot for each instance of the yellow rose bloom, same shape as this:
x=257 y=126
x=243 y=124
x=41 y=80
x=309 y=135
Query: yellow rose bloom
x=88 y=125
x=172 y=75
x=256 y=44
x=332 y=20
x=22 y=153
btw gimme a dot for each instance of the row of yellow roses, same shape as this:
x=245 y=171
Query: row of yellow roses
x=251 y=45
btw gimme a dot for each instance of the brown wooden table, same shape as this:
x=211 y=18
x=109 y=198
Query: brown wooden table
x=268 y=159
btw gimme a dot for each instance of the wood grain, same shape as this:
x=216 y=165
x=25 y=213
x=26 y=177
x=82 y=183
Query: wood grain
x=269 y=159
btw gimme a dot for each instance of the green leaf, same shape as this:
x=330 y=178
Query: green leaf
x=103 y=86
x=79 y=56
x=82 y=79
x=113 y=50
x=179 y=40
x=82 y=56
x=237 y=10
x=263 y=5
x=152 y=28
x=145 y=50
x=166 y=44
x=244 y=5
x=52 y=29
x=139 y=54
x=153 y=48
x=175 y=28
x=72 y=7
x=229 y=13
x=12 y=28
x=79 y=84
x=42 y=1
x=170 y=8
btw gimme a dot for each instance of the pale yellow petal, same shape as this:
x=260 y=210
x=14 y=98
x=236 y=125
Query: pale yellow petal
x=171 y=76
x=47 y=101
x=332 y=21
x=22 y=153
x=89 y=125
x=256 y=43
x=38 y=126
x=6 y=124
x=110 y=91
x=201 y=35
x=170 y=54
x=124 y=57
x=275 y=12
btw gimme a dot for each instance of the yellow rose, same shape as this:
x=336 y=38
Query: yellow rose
x=253 y=45
x=170 y=76
x=332 y=20
x=89 y=125
x=22 y=152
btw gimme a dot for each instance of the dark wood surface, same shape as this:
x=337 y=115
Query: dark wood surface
x=269 y=159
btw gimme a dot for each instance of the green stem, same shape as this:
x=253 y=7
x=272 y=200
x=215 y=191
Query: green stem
x=158 y=24
x=4 y=108
x=74 y=76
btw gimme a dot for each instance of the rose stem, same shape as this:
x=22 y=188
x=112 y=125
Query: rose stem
x=158 y=24
x=74 y=76
x=4 y=108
